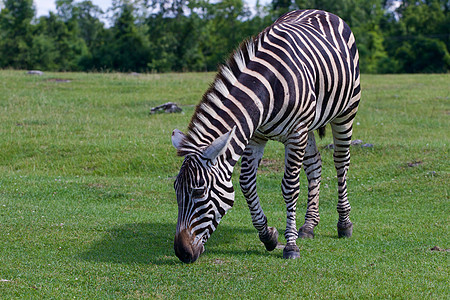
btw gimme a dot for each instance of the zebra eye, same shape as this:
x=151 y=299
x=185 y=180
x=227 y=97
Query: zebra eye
x=198 y=193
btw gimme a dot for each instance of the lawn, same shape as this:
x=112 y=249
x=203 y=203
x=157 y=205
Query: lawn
x=88 y=210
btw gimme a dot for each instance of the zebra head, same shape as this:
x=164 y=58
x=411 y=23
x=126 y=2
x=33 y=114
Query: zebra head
x=204 y=194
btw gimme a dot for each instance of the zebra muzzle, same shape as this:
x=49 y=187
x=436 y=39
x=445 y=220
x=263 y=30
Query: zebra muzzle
x=184 y=247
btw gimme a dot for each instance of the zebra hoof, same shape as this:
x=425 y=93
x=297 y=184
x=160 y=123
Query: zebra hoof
x=270 y=240
x=306 y=233
x=291 y=251
x=345 y=231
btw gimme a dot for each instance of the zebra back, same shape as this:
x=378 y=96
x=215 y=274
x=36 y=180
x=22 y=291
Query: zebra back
x=249 y=91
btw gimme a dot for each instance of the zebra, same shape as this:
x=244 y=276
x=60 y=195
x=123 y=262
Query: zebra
x=292 y=79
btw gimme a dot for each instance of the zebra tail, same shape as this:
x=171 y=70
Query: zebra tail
x=321 y=131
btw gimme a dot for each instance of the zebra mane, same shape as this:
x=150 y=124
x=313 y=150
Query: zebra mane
x=197 y=137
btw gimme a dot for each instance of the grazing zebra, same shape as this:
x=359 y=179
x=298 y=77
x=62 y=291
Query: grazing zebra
x=295 y=77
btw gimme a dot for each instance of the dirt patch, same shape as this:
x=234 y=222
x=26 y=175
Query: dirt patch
x=31 y=123
x=439 y=249
x=415 y=163
x=58 y=80
x=219 y=261
x=96 y=185
x=271 y=166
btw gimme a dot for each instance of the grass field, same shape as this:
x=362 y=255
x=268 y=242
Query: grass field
x=87 y=207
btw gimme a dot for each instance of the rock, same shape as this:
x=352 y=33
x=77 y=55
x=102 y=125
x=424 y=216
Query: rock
x=367 y=145
x=168 y=107
x=35 y=72
x=353 y=143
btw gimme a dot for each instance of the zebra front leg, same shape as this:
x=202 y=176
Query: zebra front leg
x=294 y=152
x=312 y=164
x=249 y=166
x=342 y=133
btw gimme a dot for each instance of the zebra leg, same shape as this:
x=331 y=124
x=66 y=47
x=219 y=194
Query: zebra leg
x=312 y=164
x=249 y=166
x=294 y=152
x=342 y=134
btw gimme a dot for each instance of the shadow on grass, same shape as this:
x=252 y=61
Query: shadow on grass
x=227 y=240
x=136 y=243
x=152 y=243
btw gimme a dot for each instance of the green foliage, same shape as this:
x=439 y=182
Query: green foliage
x=15 y=33
x=174 y=43
x=163 y=36
x=66 y=47
x=88 y=210
x=129 y=48
x=423 y=55
x=417 y=36
x=373 y=57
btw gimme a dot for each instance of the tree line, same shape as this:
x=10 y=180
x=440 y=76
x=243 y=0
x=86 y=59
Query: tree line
x=180 y=35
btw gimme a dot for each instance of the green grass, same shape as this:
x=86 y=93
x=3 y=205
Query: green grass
x=87 y=207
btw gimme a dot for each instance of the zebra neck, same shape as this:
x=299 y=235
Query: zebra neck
x=216 y=117
x=231 y=101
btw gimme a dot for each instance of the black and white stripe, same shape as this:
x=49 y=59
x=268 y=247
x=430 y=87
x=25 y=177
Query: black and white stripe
x=295 y=77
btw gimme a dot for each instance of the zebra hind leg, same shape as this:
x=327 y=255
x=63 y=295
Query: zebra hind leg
x=312 y=164
x=249 y=166
x=342 y=133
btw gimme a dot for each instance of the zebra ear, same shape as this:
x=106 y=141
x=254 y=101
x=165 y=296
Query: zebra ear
x=177 y=138
x=219 y=146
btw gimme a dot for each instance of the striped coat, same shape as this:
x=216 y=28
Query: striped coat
x=296 y=76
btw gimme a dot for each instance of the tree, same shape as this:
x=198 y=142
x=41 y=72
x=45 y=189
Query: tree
x=129 y=48
x=88 y=19
x=224 y=30
x=16 y=33
x=417 y=36
x=197 y=35
x=423 y=55
x=66 y=47
x=280 y=7
x=83 y=19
